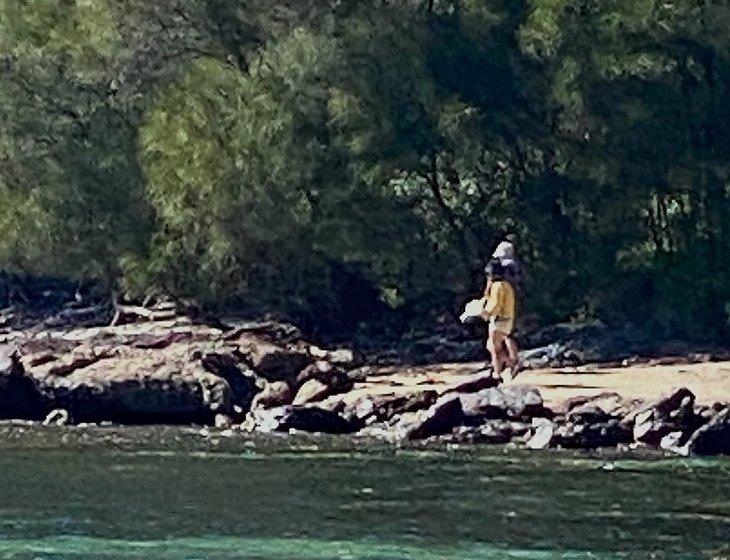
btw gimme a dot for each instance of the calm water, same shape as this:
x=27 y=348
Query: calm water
x=174 y=494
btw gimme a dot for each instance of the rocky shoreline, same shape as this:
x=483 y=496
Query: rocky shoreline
x=166 y=368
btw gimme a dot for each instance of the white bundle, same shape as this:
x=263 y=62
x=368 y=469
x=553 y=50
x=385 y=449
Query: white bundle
x=473 y=310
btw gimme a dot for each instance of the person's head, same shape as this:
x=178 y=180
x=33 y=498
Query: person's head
x=495 y=270
x=505 y=250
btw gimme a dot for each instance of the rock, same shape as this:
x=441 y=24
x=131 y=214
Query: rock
x=674 y=413
x=672 y=441
x=77 y=361
x=503 y=402
x=543 y=435
x=681 y=400
x=311 y=391
x=609 y=433
x=276 y=393
x=412 y=403
x=648 y=431
x=272 y=361
x=570 y=344
x=441 y=418
x=543 y=356
x=382 y=408
x=20 y=397
x=241 y=380
x=491 y=432
x=483 y=405
x=337 y=379
x=713 y=438
x=362 y=410
x=57 y=417
x=588 y=413
x=320 y=370
x=385 y=407
x=222 y=421
x=273 y=331
x=139 y=387
x=343 y=357
x=359 y=375
x=524 y=401
x=305 y=419
x=612 y=404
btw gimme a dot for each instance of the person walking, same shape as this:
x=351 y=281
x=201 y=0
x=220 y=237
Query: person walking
x=513 y=273
x=499 y=308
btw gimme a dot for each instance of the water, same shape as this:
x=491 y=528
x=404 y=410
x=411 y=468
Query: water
x=174 y=494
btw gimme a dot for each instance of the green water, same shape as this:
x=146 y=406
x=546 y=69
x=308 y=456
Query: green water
x=174 y=494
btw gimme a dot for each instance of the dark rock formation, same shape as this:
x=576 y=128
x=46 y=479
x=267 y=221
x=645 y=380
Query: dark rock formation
x=241 y=380
x=19 y=395
x=305 y=419
x=134 y=387
x=440 y=419
x=674 y=413
x=606 y=433
x=713 y=438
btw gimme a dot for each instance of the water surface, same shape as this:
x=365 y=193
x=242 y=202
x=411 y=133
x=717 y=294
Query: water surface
x=174 y=493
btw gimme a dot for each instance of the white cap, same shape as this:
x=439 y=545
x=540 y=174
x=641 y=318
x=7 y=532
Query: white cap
x=505 y=250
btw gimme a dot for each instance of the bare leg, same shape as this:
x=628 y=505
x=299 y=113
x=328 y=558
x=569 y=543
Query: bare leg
x=513 y=350
x=495 y=346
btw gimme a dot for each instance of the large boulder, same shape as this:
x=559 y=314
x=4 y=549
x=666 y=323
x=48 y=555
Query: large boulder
x=441 y=418
x=135 y=386
x=19 y=394
x=273 y=362
x=304 y=419
x=713 y=438
x=670 y=414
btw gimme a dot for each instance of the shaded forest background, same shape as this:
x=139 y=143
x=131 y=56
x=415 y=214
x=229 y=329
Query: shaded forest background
x=341 y=162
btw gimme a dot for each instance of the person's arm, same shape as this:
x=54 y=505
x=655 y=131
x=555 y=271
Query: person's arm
x=486 y=289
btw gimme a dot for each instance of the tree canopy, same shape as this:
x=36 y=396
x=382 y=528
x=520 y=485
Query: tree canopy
x=339 y=161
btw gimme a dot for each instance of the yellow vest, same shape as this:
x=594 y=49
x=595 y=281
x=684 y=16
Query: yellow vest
x=501 y=300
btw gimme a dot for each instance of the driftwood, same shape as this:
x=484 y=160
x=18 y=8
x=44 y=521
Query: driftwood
x=66 y=316
x=134 y=313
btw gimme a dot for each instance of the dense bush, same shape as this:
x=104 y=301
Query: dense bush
x=331 y=159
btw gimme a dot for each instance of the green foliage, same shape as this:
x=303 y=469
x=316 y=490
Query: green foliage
x=332 y=159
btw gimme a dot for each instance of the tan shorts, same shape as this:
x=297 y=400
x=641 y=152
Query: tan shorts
x=503 y=326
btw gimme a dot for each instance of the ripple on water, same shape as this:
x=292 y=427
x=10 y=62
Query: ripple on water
x=225 y=547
